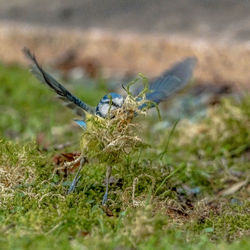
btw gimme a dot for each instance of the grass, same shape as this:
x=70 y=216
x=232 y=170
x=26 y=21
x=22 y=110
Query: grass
x=190 y=191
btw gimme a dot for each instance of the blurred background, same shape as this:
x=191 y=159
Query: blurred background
x=224 y=19
x=95 y=46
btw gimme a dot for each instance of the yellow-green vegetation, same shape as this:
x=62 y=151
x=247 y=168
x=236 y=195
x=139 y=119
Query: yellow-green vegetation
x=110 y=140
x=188 y=190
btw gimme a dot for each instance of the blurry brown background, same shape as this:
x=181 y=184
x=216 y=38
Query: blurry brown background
x=131 y=36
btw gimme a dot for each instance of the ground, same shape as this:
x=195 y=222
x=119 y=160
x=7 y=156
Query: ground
x=226 y=20
x=189 y=189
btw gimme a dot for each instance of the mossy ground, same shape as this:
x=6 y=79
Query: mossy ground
x=187 y=191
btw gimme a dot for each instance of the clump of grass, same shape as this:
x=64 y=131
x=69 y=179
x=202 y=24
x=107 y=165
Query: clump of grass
x=112 y=139
x=17 y=167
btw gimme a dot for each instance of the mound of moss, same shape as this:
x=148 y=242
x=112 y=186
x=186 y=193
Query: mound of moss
x=188 y=190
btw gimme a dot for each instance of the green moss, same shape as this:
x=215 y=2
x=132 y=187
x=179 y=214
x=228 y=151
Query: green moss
x=229 y=223
x=163 y=197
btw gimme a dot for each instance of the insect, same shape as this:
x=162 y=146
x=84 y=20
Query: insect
x=160 y=89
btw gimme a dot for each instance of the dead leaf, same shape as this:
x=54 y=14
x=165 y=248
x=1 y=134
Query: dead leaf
x=108 y=212
x=63 y=158
x=84 y=233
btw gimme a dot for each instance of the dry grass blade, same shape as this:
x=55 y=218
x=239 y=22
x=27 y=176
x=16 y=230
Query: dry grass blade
x=234 y=188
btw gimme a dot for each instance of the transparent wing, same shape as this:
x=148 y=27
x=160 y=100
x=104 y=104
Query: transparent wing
x=70 y=100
